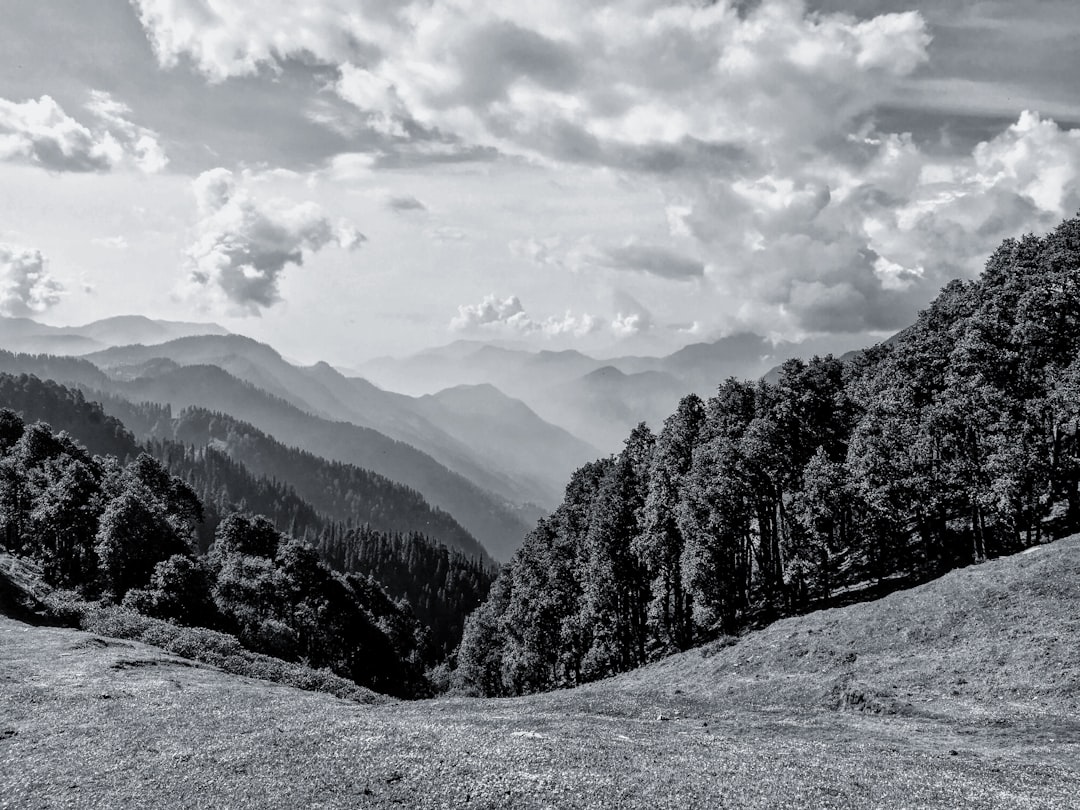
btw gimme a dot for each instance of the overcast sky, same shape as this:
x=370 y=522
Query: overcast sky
x=349 y=178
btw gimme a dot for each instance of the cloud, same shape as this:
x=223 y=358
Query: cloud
x=628 y=325
x=543 y=252
x=236 y=39
x=404 y=203
x=583 y=255
x=632 y=318
x=558 y=81
x=756 y=123
x=571 y=325
x=861 y=238
x=26 y=287
x=40 y=133
x=140 y=143
x=507 y=315
x=693 y=328
x=490 y=311
x=653 y=259
x=243 y=246
x=444 y=234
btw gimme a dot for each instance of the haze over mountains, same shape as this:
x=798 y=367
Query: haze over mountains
x=27 y=335
x=489 y=433
x=601 y=399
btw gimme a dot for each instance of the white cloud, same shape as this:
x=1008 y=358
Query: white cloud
x=375 y=97
x=507 y=315
x=561 y=81
x=755 y=124
x=235 y=39
x=629 y=325
x=26 y=287
x=862 y=238
x=243 y=246
x=571 y=325
x=492 y=311
x=140 y=143
x=40 y=133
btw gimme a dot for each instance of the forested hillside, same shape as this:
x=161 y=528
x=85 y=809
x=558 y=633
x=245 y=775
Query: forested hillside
x=339 y=491
x=956 y=442
x=494 y=522
x=527 y=461
x=440 y=586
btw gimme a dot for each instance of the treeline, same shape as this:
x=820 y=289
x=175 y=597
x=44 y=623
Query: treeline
x=955 y=442
x=126 y=533
x=339 y=491
x=422 y=577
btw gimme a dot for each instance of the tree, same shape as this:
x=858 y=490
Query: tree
x=180 y=590
x=133 y=536
x=660 y=544
x=64 y=522
x=241 y=533
x=615 y=583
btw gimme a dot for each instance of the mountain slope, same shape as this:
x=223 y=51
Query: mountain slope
x=764 y=733
x=27 y=335
x=508 y=434
x=490 y=521
x=323 y=391
x=607 y=403
x=589 y=397
x=998 y=637
x=343 y=492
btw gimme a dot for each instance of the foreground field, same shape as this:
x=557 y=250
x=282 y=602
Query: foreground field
x=961 y=693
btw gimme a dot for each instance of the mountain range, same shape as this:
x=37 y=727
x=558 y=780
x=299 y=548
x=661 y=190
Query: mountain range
x=489 y=433
x=28 y=336
x=599 y=398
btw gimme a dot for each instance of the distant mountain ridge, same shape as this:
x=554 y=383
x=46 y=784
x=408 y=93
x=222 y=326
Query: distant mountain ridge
x=31 y=337
x=499 y=527
x=528 y=463
x=599 y=399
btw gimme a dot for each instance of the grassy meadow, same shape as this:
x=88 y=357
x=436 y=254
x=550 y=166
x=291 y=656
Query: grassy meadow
x=963 y=692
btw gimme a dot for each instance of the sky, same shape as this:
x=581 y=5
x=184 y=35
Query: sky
x=352 y=178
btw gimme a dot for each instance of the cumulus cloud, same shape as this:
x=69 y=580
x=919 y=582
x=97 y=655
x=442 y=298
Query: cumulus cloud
x=491 y=311
x=625 y=326
x=861 y=239
x=141 y=144
x=39 y=132
x=236 y=39
x=243 y=246
x=507 y=315
x=754 y=121
x=26 y=287
x=571 y=325
x=556 y=80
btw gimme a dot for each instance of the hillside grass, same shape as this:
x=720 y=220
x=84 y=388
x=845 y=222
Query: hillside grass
x=959 y=693
x=24 y=596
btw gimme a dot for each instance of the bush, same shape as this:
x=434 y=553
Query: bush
x=205 y=646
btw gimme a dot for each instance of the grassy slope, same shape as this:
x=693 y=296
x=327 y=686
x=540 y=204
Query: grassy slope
x=962 y=692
